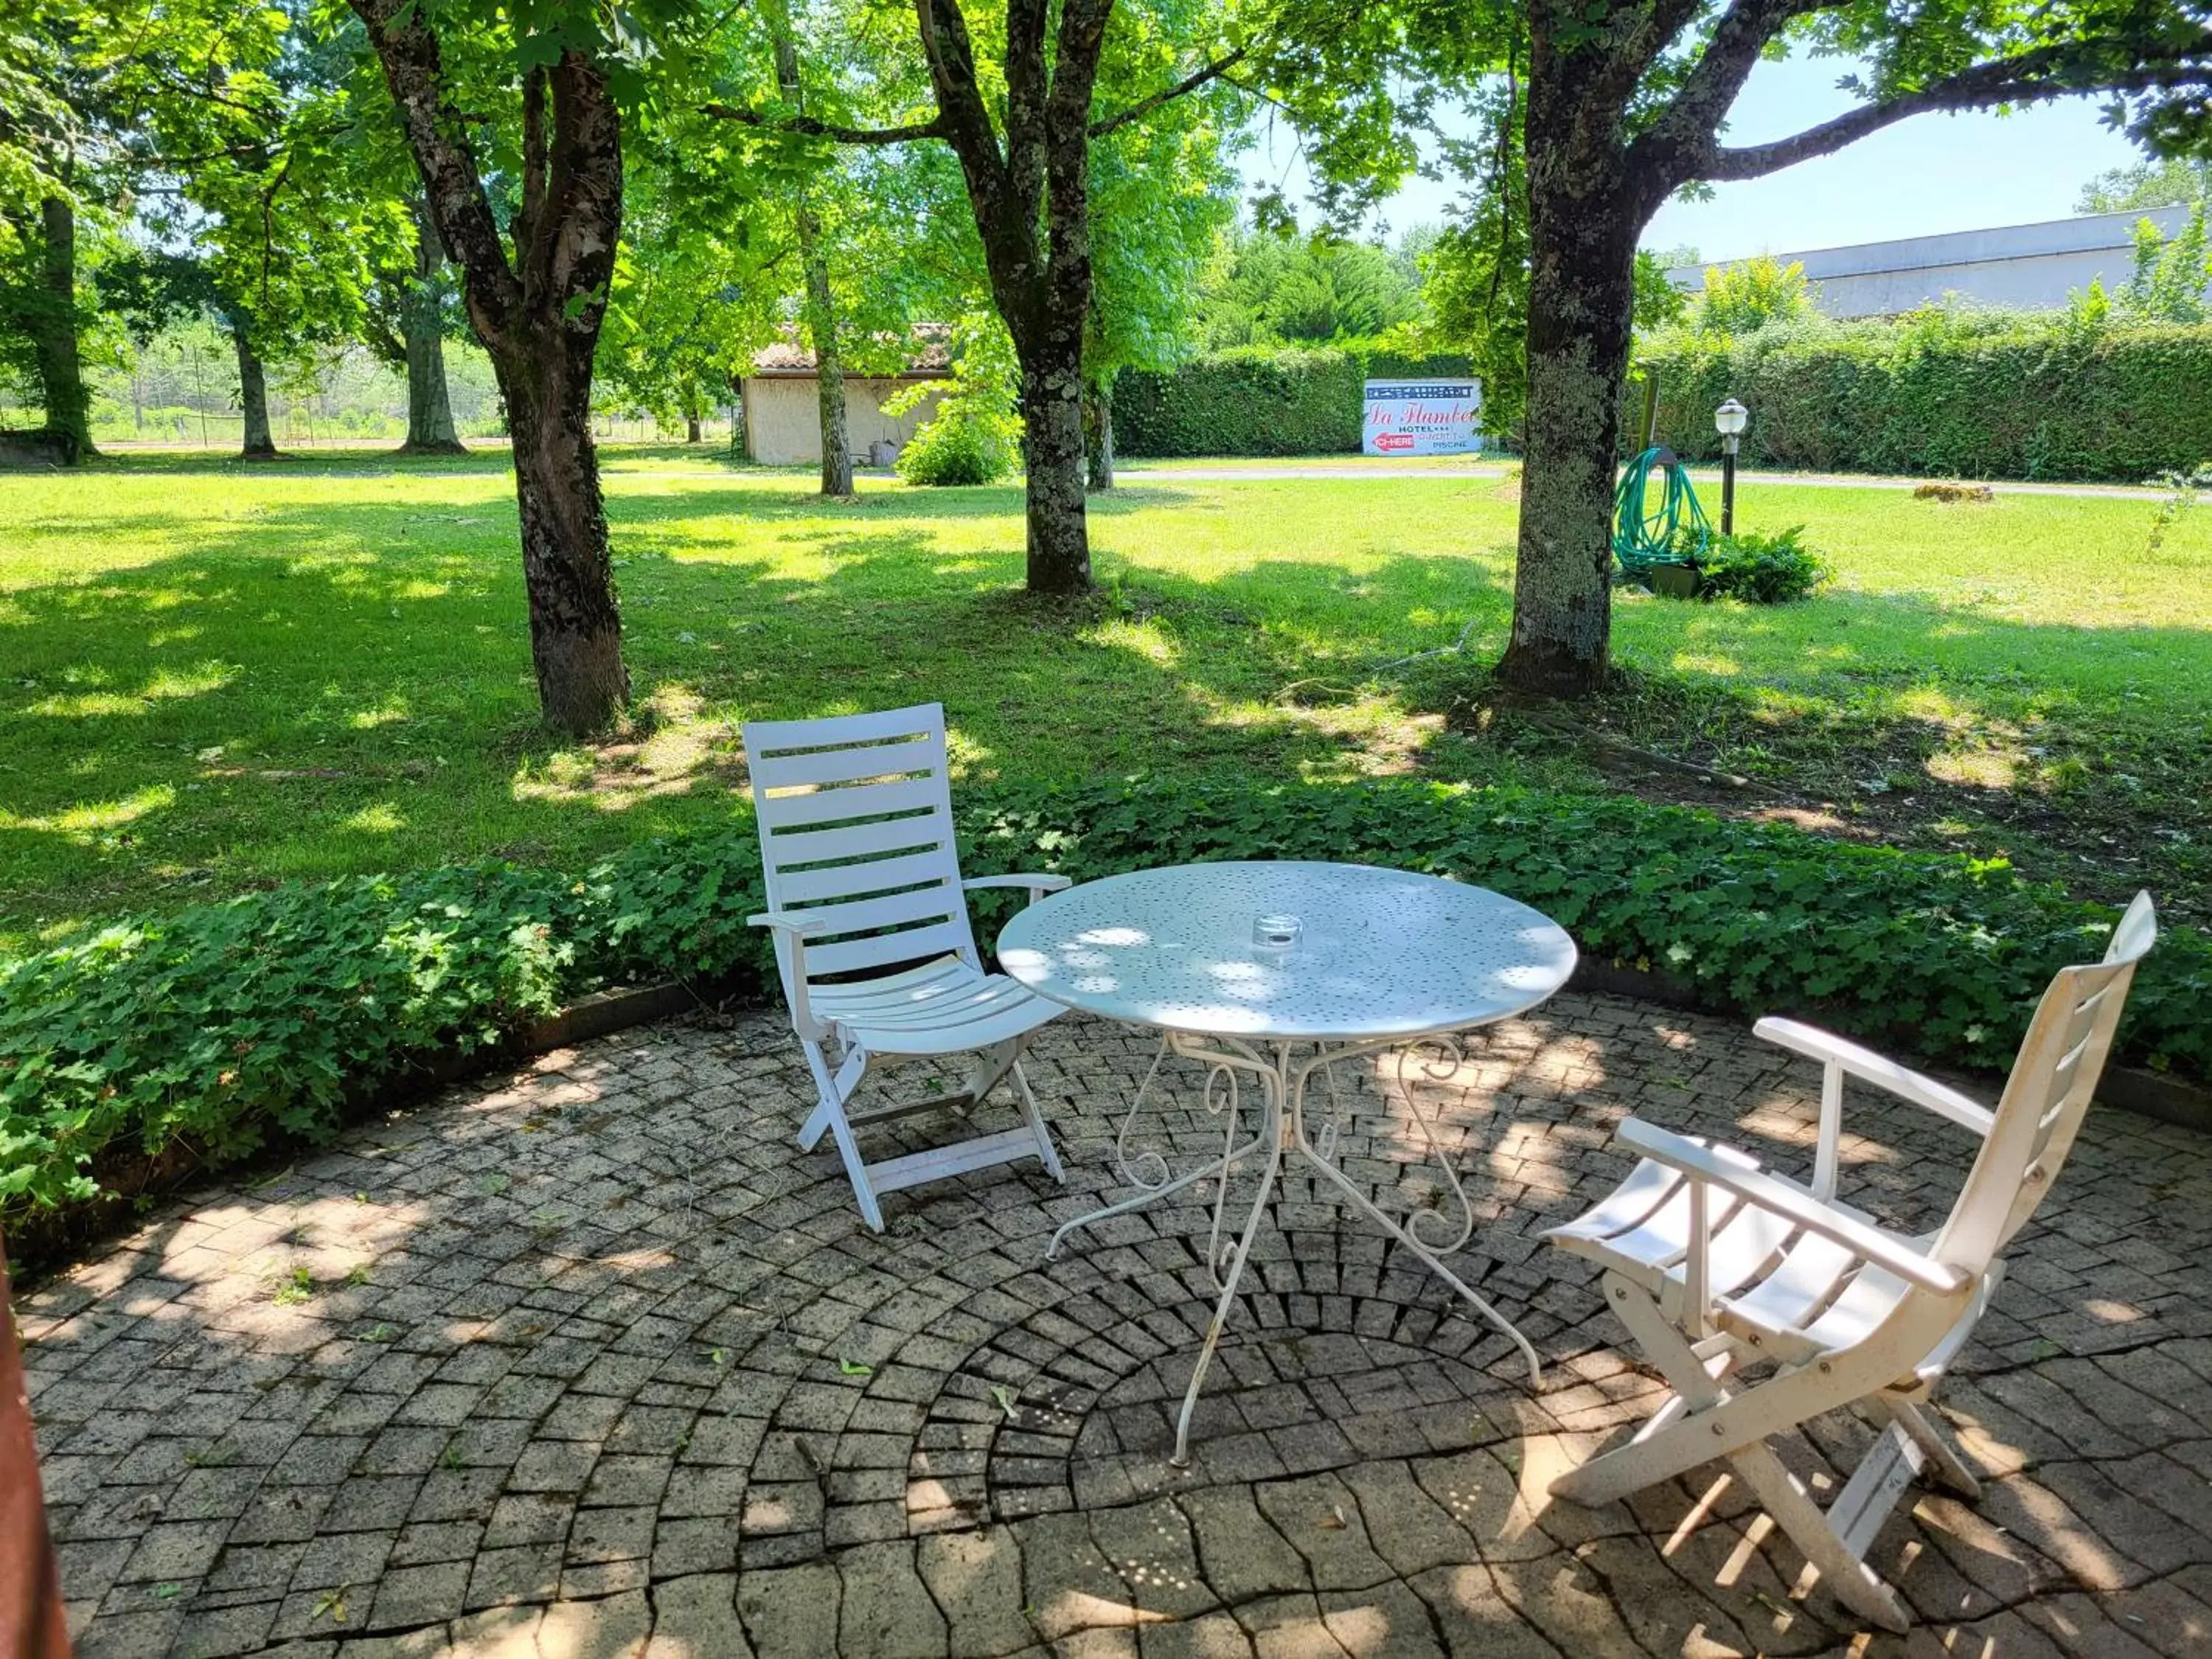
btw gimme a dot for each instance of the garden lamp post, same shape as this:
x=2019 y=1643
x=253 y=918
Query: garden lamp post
x=1729 y=419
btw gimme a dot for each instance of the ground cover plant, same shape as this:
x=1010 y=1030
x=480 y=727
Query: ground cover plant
x=165 y=1041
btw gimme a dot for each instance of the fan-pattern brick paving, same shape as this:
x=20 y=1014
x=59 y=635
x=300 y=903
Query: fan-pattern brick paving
x=592 y=1361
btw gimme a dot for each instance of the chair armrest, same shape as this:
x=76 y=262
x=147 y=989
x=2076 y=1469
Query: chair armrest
x=1871 y=1067
x=793 y=922
x=1038 y=886
x=792 y=928
x=1734 y=1173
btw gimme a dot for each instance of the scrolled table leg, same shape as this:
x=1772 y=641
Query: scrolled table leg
x=1437 y=1057
x=1137 y=1172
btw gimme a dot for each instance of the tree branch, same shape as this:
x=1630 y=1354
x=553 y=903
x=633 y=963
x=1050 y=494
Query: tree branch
x=414 y=69
x=1190 y=83
x=1642 y=37
x=533 y=161
x=1029 y=84
x=806 y=127
x=2029 y=77
x=570 y=255
x=1693 y=116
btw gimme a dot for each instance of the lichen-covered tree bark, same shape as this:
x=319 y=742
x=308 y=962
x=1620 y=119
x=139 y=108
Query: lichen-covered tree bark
x=52 y=325
x=829 y=362
x=429 y=405
x=1584 y=225
x=538 y=318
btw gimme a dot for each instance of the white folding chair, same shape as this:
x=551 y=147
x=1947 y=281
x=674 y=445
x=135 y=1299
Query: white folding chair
x=872 y=938
x=1719 y=1267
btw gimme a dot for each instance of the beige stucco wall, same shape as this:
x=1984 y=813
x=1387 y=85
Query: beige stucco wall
x=783 y=418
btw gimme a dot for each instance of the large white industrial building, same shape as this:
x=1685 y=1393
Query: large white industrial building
x=2030 y=267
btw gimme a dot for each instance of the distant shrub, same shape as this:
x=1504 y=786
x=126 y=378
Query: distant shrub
x=1757 y=569
x=953 y=448
x=1750 y=294
x=1972 y=493
x=970 y=438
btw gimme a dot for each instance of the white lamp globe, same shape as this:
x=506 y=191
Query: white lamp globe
x=1730 y=418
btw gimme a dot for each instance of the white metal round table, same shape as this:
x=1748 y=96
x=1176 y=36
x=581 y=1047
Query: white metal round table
x=1272 y=971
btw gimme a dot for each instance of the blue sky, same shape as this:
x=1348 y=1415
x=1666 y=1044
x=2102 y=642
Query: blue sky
x=1933 y=172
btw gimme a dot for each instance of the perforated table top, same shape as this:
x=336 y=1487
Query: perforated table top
x=1379 y=953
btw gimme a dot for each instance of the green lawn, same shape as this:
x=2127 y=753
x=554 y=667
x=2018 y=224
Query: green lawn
x=212 y=675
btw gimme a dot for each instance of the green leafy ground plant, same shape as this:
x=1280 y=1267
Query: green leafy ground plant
x=211 y=1030
x=1775 y=569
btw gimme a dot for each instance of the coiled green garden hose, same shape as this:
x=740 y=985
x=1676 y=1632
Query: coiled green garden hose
x=1675 y=532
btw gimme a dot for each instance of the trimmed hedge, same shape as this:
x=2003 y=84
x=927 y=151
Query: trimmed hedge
x=1258 y=400
x=214 y=1028
x=2026 y=400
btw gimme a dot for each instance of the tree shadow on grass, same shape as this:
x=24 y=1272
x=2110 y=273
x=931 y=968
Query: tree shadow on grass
x=306 y=692
x=211 y=720
x=1963 y=751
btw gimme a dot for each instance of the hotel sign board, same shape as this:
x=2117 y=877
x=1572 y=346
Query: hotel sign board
x=1423 y=417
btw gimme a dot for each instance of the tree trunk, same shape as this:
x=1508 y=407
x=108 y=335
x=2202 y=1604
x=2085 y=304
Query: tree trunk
x=1584 y=218
x=54 y=331
x=575 y=623
x=252 y=397
x=828 y=367
x=691 y=433
x=429 y=409
x=540 y=318
x=1051 y=440
x=1099 y=435
x=1041 y=183
x=821 y=305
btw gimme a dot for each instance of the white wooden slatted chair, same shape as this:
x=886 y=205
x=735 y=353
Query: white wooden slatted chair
x=872 y=938
x=1719 y=1267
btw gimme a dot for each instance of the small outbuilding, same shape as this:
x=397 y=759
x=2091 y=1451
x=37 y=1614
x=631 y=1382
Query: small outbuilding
x=782 y=411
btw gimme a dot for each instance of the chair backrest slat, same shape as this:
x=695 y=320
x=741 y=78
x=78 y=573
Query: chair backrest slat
x=914 y=800
x=813 y=882
x=2046 y=1097
x=860 y=956
x=886 y=762
x=855 y=818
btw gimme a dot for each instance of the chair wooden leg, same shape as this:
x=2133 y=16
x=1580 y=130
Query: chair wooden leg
x=1047 y=1153
x=1942 y=1455
x=1782 y=1495
x=1671 y=1440
x=991 y=1065
x=1686 y=1433
x=832 y=1093
x=829 y=1114
x=856 y=1170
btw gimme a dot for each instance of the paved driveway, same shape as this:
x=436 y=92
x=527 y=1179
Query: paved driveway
x=591 y=1361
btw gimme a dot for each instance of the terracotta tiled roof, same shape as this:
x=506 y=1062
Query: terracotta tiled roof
x=931 y=353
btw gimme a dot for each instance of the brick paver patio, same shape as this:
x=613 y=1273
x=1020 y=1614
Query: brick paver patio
x=592 y=1361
